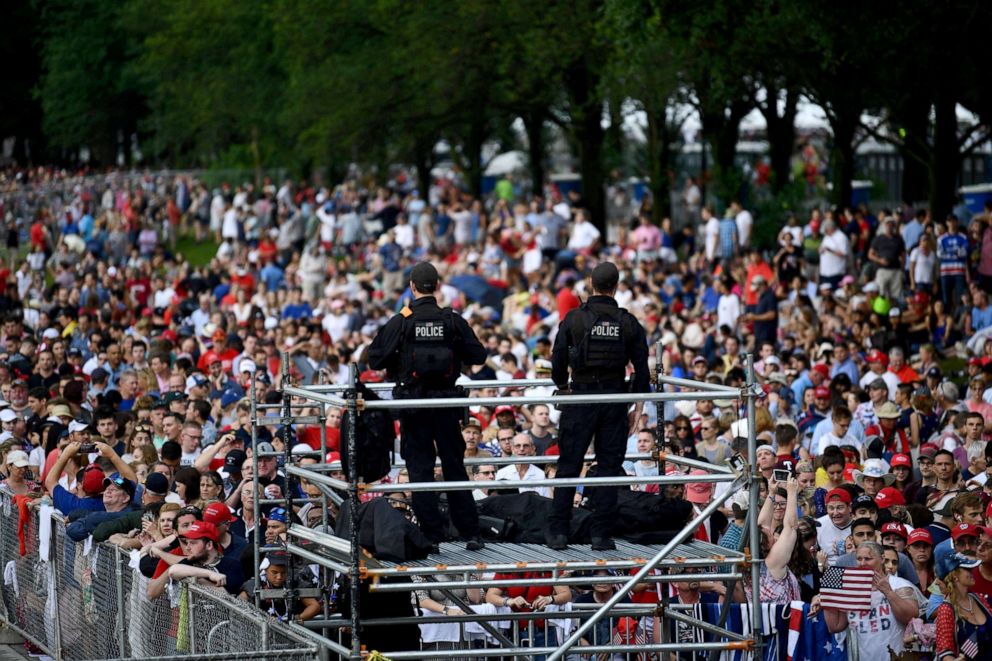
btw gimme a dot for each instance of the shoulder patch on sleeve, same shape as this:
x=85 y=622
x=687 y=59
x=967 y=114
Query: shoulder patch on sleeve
x=406 y=311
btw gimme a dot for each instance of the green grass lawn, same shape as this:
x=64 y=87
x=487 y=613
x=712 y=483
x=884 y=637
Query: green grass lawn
x=199 y=253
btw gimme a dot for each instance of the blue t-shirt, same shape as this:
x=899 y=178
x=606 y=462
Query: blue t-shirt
x=297 y=311
x=66 y=502
x=272 y=276
x=981 y=318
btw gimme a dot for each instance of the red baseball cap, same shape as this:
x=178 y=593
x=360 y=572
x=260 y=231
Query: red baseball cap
x=822 y=392
x=504 y=408
x=876 y=356
x=202 y=530
x=372 y=376
x=894 y=528
x=93 y=480
x=920 y=536
x=332 y=457
x=823 y=369
x=219 y=335
x=901 y=460
x=965 y=530
x=218 y=513
x=976 y=361
x=841 y=494
x=889 y=496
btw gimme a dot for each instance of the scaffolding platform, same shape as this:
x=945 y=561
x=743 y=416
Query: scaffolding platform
x=454 y=568
x=518 y=558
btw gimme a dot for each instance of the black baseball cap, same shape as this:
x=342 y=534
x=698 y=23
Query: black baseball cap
x=605 y=277
x=425 y=277
x=234 y=459
x=277 y=558
x=157 y=484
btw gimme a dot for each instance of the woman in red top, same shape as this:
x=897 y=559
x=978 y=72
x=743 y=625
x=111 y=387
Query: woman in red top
x=525 y=598
x=964 y=619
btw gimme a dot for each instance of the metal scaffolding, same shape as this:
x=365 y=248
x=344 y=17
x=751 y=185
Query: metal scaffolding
x=658 y=563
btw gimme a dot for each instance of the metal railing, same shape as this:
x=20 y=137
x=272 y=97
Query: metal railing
x=80 y=601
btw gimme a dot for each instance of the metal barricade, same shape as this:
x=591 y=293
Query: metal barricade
x=84 y=601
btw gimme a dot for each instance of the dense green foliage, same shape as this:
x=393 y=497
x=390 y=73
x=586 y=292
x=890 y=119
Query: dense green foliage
x=308 y=83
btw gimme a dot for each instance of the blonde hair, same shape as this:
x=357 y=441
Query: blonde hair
x=951 y=592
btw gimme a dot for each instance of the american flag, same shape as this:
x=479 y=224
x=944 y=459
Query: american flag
x=847 y=588
x=970 y=647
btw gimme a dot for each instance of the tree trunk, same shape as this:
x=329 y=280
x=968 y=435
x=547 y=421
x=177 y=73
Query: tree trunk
x=946 y=156
x=913 y=119
x=842 y=156
x=587 y=113
x=659 y=159
x=534 y=126
x=722 y=130
x=422 y=160
x=781 y=131
x=256 y=156
x=473 y=153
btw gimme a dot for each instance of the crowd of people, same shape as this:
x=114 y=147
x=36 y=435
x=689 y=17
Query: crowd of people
x=126 y=371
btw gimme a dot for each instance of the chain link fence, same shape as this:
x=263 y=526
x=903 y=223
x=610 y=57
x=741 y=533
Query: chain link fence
x=84 y=601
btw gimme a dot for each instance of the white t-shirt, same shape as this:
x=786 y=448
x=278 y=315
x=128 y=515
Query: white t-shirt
x=463 y=226
x=827 y=536
x=336 y=325
x=829 y=439
x=728 y=309
x=188 y=459
x=744 y=222
x=712 y=233
x=831 y=264
x=584 y=234
x=877 y=629
x=891 y=380
x=923 y=265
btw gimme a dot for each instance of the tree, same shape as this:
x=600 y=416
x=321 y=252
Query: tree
x=213 y=78
x=643 y=67
x=87 y=97
x=20 y=110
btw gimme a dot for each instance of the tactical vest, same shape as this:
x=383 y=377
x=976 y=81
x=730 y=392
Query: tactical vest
x=428 y=356
x=598 y=346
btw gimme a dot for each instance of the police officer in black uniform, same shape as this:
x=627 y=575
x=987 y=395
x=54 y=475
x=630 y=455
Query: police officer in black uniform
x=595 y=341
x=423 y=349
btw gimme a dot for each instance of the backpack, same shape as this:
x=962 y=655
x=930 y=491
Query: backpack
x=601 y=345
x=375 y=437
x=428 y=348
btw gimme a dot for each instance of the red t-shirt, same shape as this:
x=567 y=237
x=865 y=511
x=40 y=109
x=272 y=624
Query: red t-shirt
x=567 y=301
x=983 y=586
x=530 y=593
x=311 y=436
x=226 y=358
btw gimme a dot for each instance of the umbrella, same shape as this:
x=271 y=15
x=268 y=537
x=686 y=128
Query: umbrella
x=478 y=289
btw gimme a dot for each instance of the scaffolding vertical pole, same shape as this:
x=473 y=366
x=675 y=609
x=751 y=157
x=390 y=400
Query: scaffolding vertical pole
x=353 y=479
x=659 y=446
x=256 y=508
x=287 y=418
x=325 y=574
x=752 y=454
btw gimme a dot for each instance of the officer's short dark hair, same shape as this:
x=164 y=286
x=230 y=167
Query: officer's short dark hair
x=605 y=277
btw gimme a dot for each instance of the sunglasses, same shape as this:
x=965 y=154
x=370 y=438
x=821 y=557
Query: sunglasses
x=191 y=509
x=119 y=482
